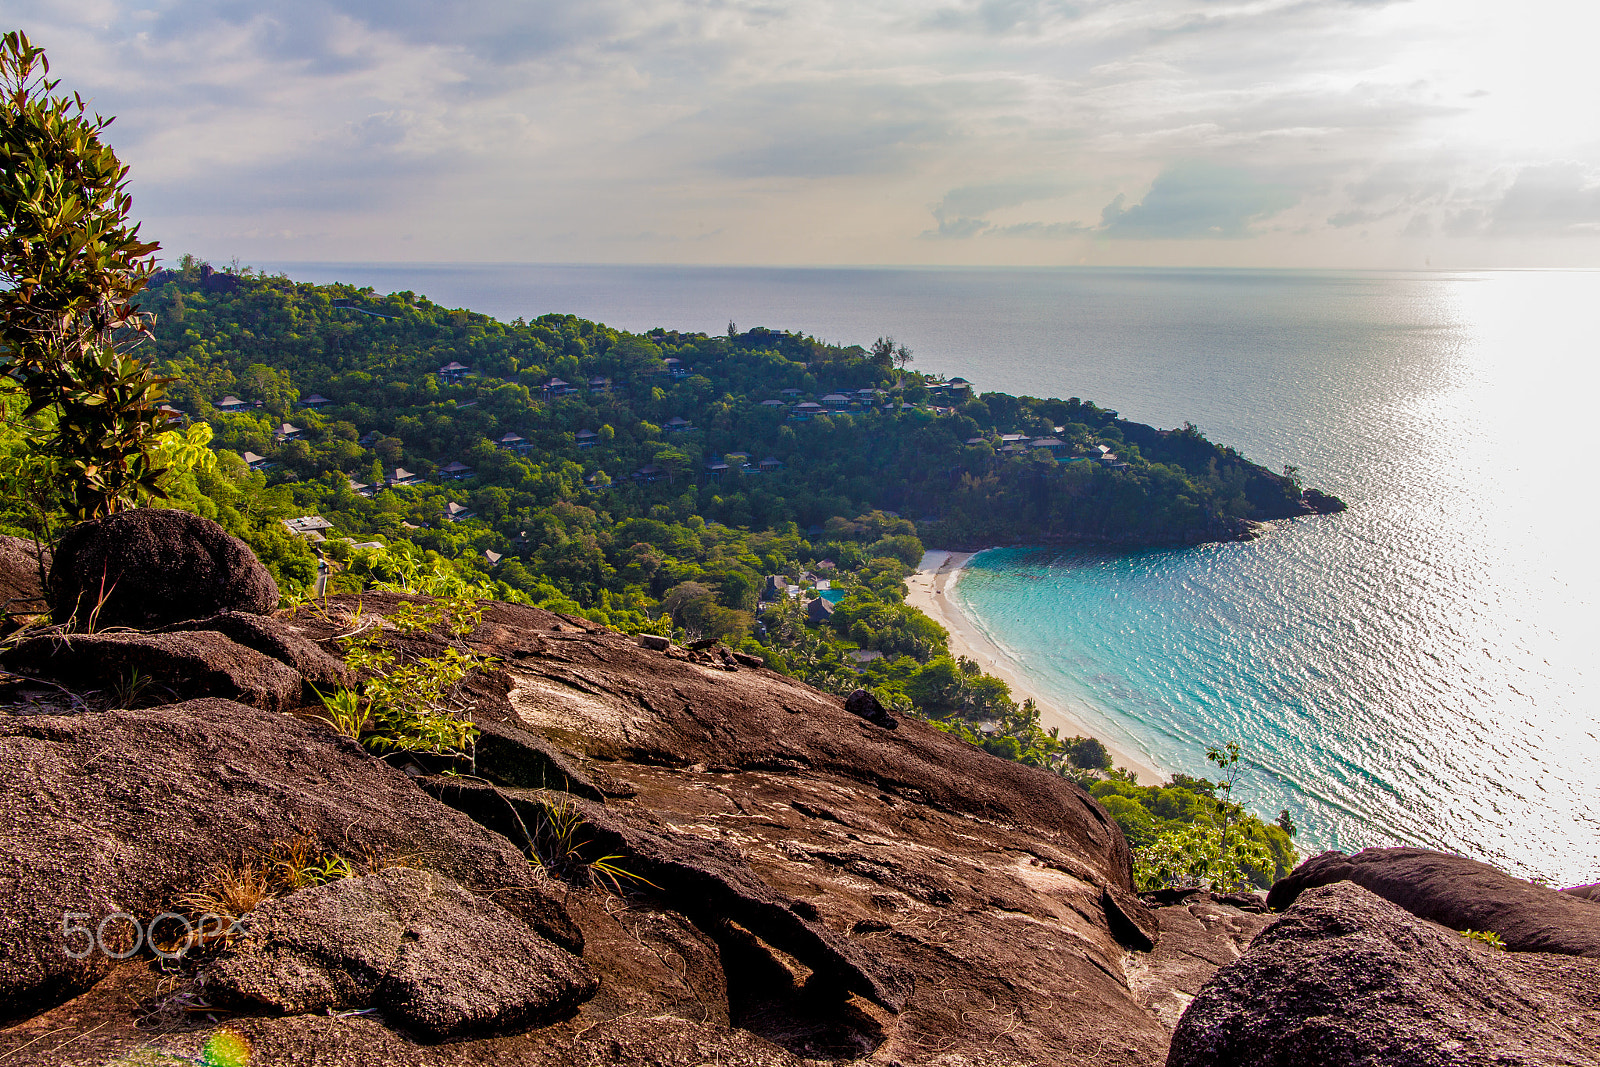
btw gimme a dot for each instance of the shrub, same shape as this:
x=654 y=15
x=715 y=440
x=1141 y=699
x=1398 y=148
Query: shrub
x=68 y=324
x=404 y=706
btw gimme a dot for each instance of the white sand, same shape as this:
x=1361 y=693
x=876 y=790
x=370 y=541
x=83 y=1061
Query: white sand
x=929 y=592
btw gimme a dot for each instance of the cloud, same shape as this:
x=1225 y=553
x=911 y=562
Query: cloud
x=819 y=130
x=961 y=213
x=1047 y=230
x=823 y=135
x=1553 y=200
x=1193 y=199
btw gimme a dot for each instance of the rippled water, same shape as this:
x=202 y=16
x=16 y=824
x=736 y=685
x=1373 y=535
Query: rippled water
x=1421 y=668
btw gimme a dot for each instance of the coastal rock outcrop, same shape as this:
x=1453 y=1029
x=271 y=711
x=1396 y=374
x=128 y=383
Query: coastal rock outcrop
x=1322 y=503
x=656 y=859
x=433 y=958
x=1460 y=893
x=753 y=873
x=1345 y=977
x=152 y=566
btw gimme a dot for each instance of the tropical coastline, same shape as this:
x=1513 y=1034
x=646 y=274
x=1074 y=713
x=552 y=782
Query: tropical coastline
x=929 y=592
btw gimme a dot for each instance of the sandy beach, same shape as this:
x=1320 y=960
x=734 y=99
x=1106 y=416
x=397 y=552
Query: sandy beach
x=929 y=592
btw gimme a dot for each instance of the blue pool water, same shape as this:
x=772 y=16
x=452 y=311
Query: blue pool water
x=1421 y=668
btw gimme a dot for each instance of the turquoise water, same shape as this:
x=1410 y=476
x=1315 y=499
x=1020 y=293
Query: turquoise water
x=1419 y=669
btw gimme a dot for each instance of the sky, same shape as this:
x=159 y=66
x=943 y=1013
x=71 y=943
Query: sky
x=1257 y=133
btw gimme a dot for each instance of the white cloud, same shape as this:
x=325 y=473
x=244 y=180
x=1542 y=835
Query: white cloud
x=839 y=130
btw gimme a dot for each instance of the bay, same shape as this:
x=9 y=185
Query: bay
x=1419 y=669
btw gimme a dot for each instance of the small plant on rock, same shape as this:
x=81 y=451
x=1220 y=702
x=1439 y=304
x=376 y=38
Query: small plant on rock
x=407 y=703
x=233 y=890
x=556 y=836
x=1484 y=937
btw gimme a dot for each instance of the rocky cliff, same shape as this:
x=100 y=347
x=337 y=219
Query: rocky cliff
x=658 y=856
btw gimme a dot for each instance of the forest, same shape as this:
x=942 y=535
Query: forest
x=761 y=488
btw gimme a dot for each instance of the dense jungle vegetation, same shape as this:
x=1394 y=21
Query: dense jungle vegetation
x=663 y=482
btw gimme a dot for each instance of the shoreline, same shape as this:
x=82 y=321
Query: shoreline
x=929 y=590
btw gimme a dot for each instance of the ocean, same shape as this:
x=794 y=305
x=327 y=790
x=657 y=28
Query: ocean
x=1420 y=669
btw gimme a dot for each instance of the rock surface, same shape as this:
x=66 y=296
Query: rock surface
x=1195 y=939
x=281 y=640
x=124 y=811
x=755 y=874
x=431 y=957
x=1345 y=977
x=20 y=587
x=868 y=707
x=1460 y=893
x=136 y=668
x=152 y=566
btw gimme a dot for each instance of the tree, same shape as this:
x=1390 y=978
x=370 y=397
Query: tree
x=73 y=263
x=885 y=354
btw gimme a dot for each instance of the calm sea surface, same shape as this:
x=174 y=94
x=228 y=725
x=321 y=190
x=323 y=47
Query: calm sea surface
x=1420 y=669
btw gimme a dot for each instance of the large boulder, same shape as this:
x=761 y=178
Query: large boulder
x=1345 y=977
x=133 y=669
x=1457 y=892
x=125 y=811
x=433 y=958
x=152 y=566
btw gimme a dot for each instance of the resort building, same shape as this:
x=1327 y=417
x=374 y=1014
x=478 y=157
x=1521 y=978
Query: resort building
x=310 y=527
x=513 y=442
